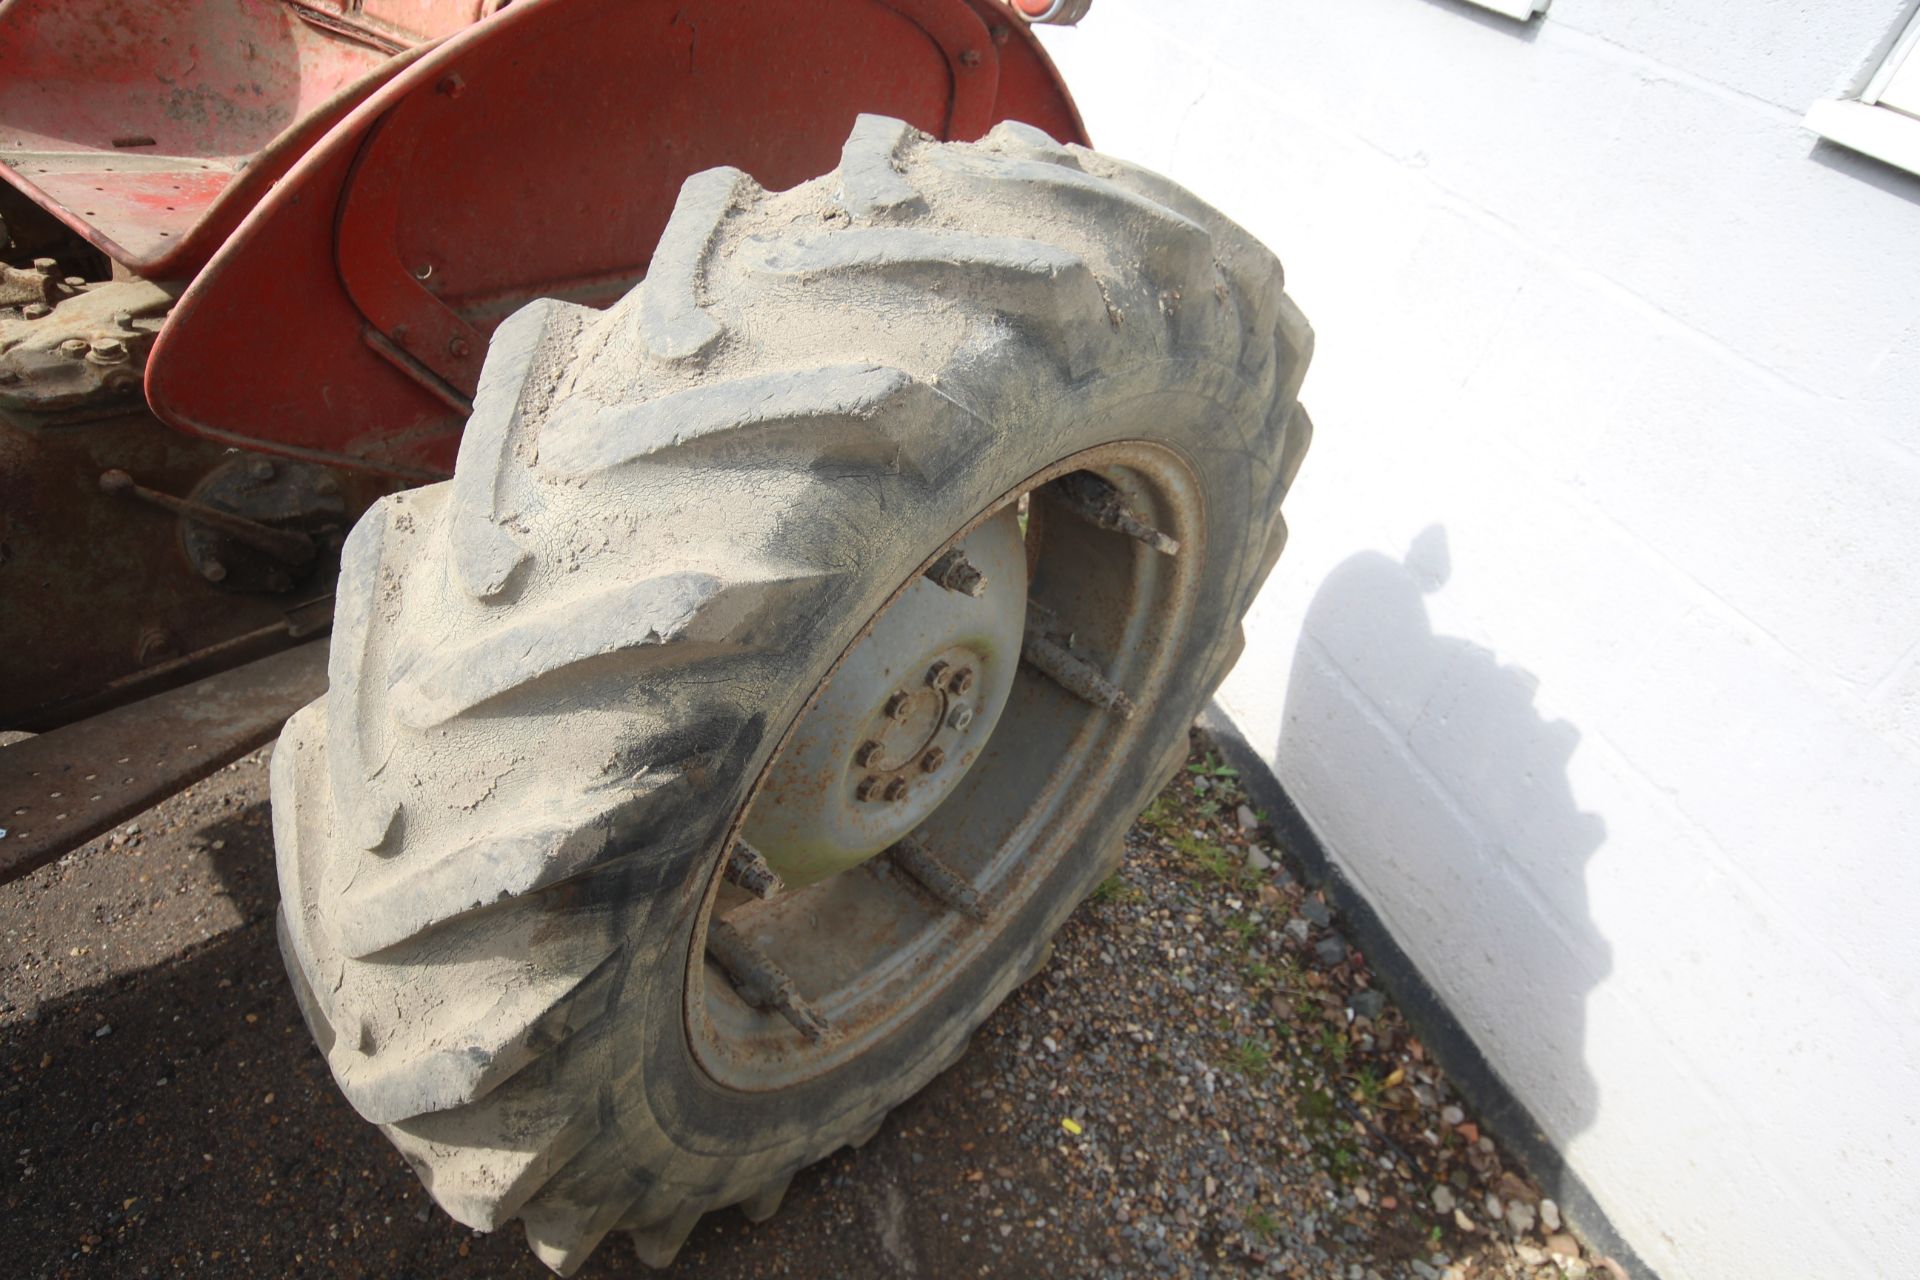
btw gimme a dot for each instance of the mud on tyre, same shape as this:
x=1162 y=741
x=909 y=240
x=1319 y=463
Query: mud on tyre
x=561 y=681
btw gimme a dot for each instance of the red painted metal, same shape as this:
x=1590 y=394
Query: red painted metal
x=151 y=126
x=535 y=153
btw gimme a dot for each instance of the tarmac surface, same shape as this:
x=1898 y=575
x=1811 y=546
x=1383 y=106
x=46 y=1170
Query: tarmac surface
x=1151 y=1103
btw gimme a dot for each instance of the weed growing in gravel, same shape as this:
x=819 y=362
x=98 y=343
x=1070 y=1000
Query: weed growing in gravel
x=1162 y=816
x=1242 y=929
x=1251 y=1058
x=1211 y=767
x=1116 y=889
x=1367 y=1087
x=1343 y=1162
x=1261 y=1224
x=1333 y=1044
x=1210 y=858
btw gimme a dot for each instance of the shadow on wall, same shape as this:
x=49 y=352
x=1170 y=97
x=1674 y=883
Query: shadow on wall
x=1443 y=794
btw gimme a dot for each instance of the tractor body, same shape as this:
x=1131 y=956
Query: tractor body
x=253 y=253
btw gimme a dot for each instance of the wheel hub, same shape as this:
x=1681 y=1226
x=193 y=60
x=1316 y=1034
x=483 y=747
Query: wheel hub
x=902 y=720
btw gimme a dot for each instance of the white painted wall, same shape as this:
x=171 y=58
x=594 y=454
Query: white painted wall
x=1594 y=658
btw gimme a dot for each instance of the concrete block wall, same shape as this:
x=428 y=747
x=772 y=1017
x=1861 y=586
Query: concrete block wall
x=1595 y=658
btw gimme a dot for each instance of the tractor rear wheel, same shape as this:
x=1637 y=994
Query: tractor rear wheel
x=786 y=659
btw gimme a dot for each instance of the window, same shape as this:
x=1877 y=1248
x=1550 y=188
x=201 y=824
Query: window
x=1884 y=121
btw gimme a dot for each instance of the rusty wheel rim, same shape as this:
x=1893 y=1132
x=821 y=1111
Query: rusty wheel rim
x=786 y=987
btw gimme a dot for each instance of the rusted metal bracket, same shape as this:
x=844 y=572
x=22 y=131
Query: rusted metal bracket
x=1100 y=504
x=760 y=982
x=62 y=788
x=945 y=885
x=289 y=546
x=1074 y=674
x=748 y=870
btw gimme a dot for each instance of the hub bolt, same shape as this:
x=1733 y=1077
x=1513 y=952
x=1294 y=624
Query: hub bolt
x=868 y=788
x=936 y=673
x=866 y=753
x=960 y=681
x=934 y=758
x=75 y=347
x=896 y=790
x=36 y=310
x=261 y=469
x=108 y=350
x=897 y=706
x=960 y=719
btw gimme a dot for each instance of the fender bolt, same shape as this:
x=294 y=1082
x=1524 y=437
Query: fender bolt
x=961 y=718
x=866 y=788
x=866 y=753
x=934 y=758
x=936 y=673
x=960 y=681
x=897 y=706
x=897 y=789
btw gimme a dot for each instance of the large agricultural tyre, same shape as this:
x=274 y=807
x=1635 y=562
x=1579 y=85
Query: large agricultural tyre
x=886 y=540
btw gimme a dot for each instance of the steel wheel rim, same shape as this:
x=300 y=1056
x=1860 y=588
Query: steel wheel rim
x=867 y=948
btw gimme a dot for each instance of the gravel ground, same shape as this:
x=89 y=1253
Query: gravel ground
x=1202 y=1081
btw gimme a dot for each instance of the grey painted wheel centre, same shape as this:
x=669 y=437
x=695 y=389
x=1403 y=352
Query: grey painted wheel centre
x=901 y=721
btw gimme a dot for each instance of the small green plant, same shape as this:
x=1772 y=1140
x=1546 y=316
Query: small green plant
x=1116 y=889
x=1209 y=858
x=1242 y=929
x=1212 y=768
x=1367 y=1087
x=1315 y=1104
x=1343 y=1161
x=1433 y=1236
x=1251 y=1058
x=1160 y=817
x=1208 y=808
x=1261 y=1223
x=1333 y=1044
x=1259 y=975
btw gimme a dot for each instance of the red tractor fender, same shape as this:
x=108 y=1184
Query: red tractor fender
x=537 y=153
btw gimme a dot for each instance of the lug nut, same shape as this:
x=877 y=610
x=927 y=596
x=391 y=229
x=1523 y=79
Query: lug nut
x=213 y=571
x=45 y=266
x=896 y=790
x=897 y=706
x=866 y=753
x=36 y=310
x=960 y=719
x=936 y=673
x=74 y=347
x=867 y=788
x=934 y=758
x=107 y=351
x=260 y=469
x=960 y=681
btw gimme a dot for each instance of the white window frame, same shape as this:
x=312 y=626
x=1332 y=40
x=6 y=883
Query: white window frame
x=1866 y=124
x=1519 y=9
